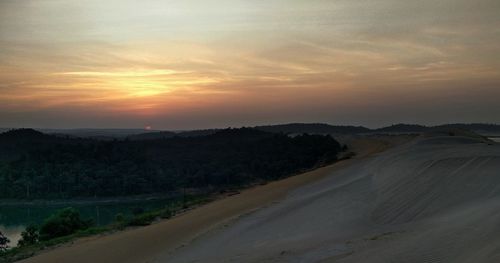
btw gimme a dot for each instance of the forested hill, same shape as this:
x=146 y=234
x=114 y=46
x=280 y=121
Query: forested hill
x=321 y=128
x=169 y=134
x=313 y=128
x=34 y=165
x=290 y=128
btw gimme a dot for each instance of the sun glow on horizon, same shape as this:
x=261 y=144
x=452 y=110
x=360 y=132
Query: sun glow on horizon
x=138 y=83
x=250 y=62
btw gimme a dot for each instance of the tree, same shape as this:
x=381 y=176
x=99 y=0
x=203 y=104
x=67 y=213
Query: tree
x=4 y=242
x=29 y=236
x=64 y=222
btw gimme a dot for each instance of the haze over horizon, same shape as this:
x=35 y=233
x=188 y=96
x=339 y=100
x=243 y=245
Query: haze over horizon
x=210 y=64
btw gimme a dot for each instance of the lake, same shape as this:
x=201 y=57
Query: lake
x=15 y=217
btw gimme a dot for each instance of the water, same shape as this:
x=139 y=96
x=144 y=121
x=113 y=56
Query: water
x=15 y=217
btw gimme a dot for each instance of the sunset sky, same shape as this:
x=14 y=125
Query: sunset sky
x=217 y=63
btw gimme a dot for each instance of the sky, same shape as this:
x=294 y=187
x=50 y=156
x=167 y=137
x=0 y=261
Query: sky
x=219 y=63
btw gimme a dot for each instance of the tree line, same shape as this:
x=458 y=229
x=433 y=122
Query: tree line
x=34 y=165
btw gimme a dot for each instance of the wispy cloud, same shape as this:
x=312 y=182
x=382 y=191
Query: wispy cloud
x=138 y=73
x=194 y=61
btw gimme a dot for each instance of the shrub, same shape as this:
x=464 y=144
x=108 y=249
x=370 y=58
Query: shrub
x=29 y=236
x=64 y=222
x=143 y=219
x=119 y=218
x=120 y=221
x=4 y=242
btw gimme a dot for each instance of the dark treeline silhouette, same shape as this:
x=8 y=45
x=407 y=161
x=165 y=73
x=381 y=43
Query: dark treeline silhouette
x=291 y=128
x=321 y=128
x=313 y=128
x=34 y=165
x=169 y=134
x=475 y=127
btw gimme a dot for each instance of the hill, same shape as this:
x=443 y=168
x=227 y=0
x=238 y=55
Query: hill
x=169 y=134
x=152 y=136
x=480 y=128
x=291 y=128
x=104 y=134
x=321 y=128
x=313 y=128
x=402 y=128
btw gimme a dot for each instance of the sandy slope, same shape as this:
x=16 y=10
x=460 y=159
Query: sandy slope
x=434 y=200
x=158 y=241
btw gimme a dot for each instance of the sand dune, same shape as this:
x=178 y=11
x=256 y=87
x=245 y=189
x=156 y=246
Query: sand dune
x=434 y=200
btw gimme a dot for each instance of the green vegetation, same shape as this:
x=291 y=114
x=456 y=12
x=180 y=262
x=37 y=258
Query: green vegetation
x=34 y=165
x=143 y=219
x=4 y=242
x=71 y=223
x=64 y=222
x=29 y=237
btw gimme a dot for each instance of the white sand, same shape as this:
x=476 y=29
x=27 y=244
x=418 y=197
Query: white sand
x=434 y=200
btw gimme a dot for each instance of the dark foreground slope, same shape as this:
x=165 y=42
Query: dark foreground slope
x=36 y=165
